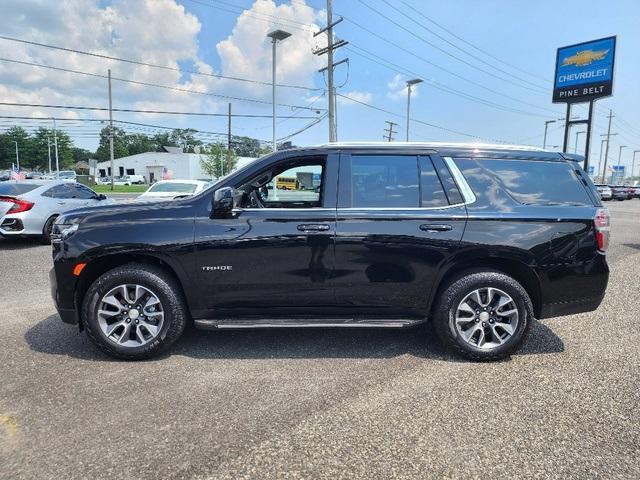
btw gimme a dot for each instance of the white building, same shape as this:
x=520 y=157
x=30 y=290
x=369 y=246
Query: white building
x=154 y=166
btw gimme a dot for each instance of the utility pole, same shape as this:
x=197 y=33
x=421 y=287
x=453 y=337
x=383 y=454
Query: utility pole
x=49 y=149
x=55 y=145
x=606 y=153
x=600 y=159
x=17 y=156
x=331 y=46
x=546 y=126
x=390 y=131
x=111 y=133
x=229 y=139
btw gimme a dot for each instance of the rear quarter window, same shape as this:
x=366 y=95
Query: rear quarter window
x=529 y=182
x=13 y=189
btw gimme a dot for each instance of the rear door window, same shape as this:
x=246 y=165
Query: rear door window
x=530 y=182
x=385 y=181
x=58 y=191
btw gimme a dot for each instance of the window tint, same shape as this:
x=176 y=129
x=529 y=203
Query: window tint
x=384 y=181
x=59 y=191
x=294 y=184
x=82 y=192
x=432 y=192
x=16 y=188
x=450 y=187
x=531 y=182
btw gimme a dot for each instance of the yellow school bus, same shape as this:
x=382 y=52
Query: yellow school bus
x=286 y=183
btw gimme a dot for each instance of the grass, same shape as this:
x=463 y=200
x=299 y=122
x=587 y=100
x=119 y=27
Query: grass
x=120 y=188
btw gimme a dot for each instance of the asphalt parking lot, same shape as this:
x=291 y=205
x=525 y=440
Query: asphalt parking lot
x=321 y=403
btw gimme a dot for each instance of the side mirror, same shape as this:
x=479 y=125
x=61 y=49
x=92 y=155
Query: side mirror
x=101 y=197
x=223 y=203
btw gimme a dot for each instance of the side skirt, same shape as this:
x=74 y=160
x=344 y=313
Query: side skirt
x=215 y=324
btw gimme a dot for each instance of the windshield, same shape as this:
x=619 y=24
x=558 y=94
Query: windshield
x=66 y=174
x=173 y=187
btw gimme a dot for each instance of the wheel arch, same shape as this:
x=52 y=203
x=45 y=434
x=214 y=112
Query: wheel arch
x=98 y=266
x=501 y=262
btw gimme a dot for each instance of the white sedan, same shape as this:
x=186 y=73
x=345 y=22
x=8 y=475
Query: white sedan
x=30 y=207
x=170 y=189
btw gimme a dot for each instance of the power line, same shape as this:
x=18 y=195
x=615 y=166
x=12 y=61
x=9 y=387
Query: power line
x=131 y=110
x=472 y=45
x=410 y=32
x=457 y=132
x=156 y=85
x=146 y=64
x=399 y=69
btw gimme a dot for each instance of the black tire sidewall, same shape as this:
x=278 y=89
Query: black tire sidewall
x=458 y=290
x=161 y=285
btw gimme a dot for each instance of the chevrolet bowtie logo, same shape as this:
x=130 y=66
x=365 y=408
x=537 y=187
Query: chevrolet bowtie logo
x=584 y=58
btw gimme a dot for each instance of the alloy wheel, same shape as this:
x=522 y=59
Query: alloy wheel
x=130 y=315
x=486 y=318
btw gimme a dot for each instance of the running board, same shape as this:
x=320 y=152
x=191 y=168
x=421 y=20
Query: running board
x=306 y=323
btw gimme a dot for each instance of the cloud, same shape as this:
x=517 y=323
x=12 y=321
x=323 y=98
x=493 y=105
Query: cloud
x=356 y=95
x=161 y=32
x=398 y=88
x=247 y=52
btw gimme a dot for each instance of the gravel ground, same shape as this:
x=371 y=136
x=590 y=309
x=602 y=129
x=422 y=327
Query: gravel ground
x=321 y=403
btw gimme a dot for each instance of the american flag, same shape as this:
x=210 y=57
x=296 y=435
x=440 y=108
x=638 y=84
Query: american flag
x=16 y=174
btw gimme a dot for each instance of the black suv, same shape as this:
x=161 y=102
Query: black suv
x=477 y=239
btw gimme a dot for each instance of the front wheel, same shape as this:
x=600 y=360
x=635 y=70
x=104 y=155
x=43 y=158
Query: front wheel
x=483 y=316
x=134 y=312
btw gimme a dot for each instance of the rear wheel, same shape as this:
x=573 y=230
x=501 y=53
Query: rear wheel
x=134 y=312
x=47 y=229
x=483 y=315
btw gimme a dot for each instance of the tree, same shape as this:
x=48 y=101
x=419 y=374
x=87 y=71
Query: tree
x=215 y=162
x=119 y=144
x=185 y=138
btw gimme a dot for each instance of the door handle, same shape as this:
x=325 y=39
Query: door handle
x=313 y=227
x=435 y=227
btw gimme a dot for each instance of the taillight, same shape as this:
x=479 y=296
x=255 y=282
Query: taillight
x=18 y=205
x=602 y=225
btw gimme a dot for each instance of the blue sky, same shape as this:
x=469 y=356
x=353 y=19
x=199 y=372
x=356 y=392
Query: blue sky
x=524 y=34
x=474 y=93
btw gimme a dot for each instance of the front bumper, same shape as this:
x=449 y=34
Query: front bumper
x=68 y=315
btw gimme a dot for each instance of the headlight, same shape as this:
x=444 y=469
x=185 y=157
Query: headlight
x=62 y=231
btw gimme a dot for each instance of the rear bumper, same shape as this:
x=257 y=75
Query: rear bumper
x=572 y=307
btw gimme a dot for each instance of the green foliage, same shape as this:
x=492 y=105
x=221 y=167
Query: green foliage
x=33 y=149
x=216 y=162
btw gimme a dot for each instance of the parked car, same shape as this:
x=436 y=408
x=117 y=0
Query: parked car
x=604 y=191
x=129 y=180
x=621 y=192
x=170 y=189
x=477 y=239
x=5 y=175
x=34 y=175
x=29 y=207
x=103 y=180
x=636 y=191
x=66 y=175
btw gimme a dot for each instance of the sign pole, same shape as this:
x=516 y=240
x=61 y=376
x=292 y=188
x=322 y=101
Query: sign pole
x=567 y=126
x=588 y=144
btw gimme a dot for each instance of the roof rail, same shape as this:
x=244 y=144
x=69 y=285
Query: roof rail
x=491 y=146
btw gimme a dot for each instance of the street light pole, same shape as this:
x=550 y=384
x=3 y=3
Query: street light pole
x=275 y=36
x=49 y=152
x=410 y=83
x=633 y=164
x=546 y=125
x=600 y=160
x=575 y=148
x=17 y=156
x=55 y=146
x=620 y=158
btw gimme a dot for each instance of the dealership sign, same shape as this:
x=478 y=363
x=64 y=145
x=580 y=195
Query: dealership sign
x=584 y=71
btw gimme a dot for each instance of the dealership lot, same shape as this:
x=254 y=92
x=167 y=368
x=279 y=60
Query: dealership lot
x=321 y=403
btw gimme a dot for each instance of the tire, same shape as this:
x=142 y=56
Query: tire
x=46 y=230
x=459 y=291
x=157 y=283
